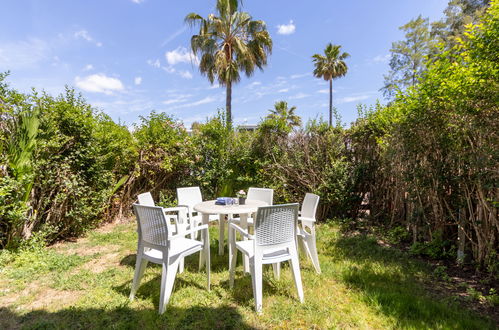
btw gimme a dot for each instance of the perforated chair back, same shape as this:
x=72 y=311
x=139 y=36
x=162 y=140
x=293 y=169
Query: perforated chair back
x=152 y=224
x=146 y=199
x=309 y=205
x=276 y=224
x=261 y=194
x=189 y=196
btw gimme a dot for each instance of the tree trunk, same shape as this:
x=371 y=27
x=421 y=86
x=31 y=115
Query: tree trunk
x=330 y=102
x=228 y=101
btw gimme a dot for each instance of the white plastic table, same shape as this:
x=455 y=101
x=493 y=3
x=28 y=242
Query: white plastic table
x=209 y=207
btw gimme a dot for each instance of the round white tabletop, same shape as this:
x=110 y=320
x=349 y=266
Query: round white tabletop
x=209 y=207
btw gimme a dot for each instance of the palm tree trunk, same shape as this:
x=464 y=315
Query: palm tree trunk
x=330 y=102
x=228 y=101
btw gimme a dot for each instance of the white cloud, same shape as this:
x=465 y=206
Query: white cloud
x=173 y=35
x=325 y=91
x=99 y=83
x=284 y=90
x=208 y=99
x=254 y=84
x=83 y=34
x=137 y=80
x=185 y=74
x=381 y=58
x=348 y=99
x=138 y=1
x=154 y=63
x=88 y=67
x=176 y=98
x=286 y=28
x=23 y=54
x=180 y=55
x=301 y=75
x=298 y=96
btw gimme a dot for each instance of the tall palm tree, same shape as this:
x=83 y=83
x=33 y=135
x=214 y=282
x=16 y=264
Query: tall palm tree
x=229 y=43
x=330 y=66
x=281 y=111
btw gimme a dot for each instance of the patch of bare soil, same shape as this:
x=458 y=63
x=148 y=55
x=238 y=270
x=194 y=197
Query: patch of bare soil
x=100 y=264
x=50 y=299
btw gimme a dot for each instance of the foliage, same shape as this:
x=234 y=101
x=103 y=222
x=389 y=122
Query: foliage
x=430 y=158
x=407 y=61
x=282 y=112
x=229 y=43
x=330 y=66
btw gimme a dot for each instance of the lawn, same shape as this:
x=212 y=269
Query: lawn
x=85 y=284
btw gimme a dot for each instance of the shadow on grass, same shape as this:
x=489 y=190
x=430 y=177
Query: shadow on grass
x=196 y=317
x=241 y=294
x=390 y=283
x=219 y=263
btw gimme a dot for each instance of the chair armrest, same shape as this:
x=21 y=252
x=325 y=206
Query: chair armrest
x=240 y=230
x=174 y=209
x=187 y=232
x=184 y=207
x=307 y=219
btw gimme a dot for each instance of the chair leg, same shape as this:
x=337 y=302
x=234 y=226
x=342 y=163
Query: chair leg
x=312 y=251
x=302 y=246
x=221 y=234
x=181 y=266
x=208 y=258
x=140 y=267
x=277 y=270
x=232 y=258
x=167 y=279
x=256 y=276
x=295 y=266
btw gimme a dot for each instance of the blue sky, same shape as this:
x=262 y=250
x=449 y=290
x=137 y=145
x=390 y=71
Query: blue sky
x=128 y=57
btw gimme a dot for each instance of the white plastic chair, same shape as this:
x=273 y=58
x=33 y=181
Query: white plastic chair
x=190 y=196
x=157 y=245
x=274 y=241
x=306 y=232
x=179 y=221
x=260 y=194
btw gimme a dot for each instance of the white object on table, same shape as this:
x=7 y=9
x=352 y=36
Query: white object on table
x=209 y=207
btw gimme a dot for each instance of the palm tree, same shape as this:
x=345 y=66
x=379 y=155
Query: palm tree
x=229 y=43
x=282 y=112
x=329 y=67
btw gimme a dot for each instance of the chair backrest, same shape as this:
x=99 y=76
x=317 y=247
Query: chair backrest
x=309 y=205
x=153 y=228
x=276 y=224
x=189 y=196
x=261 y=194
x=146 y=199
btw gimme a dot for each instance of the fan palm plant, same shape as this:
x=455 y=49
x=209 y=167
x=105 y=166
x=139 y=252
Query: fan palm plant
x=281 y=111
x=330 y=66
x=229 y=43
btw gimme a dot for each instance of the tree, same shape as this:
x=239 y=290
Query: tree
x=458 y=14
x=330 y=66
x=229 y=43
x=408 y=56
x=282 y=112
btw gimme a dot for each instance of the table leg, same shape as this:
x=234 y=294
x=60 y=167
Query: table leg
x=202 y=257
x=244 y=225
x=221 y=225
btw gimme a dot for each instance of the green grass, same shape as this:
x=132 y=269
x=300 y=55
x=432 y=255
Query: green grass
x=85 y=284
